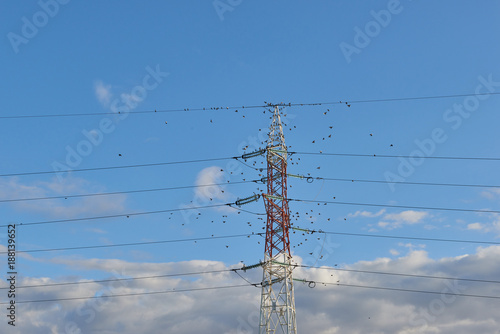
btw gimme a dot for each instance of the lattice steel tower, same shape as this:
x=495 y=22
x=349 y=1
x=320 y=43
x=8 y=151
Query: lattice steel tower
x=277 y=308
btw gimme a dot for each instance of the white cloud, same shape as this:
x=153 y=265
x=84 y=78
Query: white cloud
x=324 y=309
x=394 y=252
x=367 y=214
x=475 y=226
x=410 y=245
x=393 y=220
x=383 y=224
x=210 y=176
x=396 y=220
x=408 y=216
x=491 y=194
x=492 y=225
x=103 y=93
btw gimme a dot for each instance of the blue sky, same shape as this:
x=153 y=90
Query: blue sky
x=79 y=57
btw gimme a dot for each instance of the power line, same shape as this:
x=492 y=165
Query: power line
x=242 y=182
x=259 y=169
x=249 y=285
x=243 y=278
x=253 y=284
x=234 y=203
x=407 y=290
x=121 y=279
x=159 y=111
x=238 y=158
x=400 y=274
x=243 y=268
x=428 y=97
x=268 y=105
x=128 y=294
x=247 y=211
x=404 y=182
x=396 y=206
x=125 y=192
x=117 y=167
x=395 y=156
x=398 y=237
x=134 y=243
x=120 y=215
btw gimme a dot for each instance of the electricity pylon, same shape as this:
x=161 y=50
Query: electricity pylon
x=277 y=308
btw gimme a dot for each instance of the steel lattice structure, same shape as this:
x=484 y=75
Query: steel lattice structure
x=277 y=310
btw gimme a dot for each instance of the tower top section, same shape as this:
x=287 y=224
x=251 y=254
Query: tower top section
x=276 y=138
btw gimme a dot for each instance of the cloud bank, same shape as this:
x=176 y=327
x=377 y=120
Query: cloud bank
x=325 y=309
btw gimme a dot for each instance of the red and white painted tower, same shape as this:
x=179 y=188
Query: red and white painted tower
x=277 y=309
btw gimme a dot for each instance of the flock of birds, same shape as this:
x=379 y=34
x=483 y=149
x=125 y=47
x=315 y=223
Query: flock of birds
x=254 y=170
